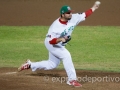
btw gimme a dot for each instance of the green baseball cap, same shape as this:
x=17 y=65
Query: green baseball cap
x=65 y=9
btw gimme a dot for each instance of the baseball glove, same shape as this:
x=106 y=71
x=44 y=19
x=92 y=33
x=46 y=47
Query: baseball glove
x=67 y=40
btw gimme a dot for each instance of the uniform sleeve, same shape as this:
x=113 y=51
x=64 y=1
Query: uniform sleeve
x=52 y=37
x=88 y=13
x=78 y=17
x=53 y=32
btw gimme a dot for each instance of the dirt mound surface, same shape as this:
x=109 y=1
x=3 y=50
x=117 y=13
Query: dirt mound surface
x=10 y=79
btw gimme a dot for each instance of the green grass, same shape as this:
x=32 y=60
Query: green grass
x=92 y=47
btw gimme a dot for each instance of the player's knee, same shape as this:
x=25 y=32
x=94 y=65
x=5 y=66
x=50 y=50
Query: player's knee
x=51 y=65
x=67 y=55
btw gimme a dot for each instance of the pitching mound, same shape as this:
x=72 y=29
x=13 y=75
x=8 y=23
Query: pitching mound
x=10 y=79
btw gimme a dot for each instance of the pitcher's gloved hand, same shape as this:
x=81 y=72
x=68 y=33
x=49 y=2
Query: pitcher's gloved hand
x=67 y=38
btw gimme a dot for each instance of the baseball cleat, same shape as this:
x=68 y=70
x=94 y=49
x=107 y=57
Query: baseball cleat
x=28 y=61
x=25 y=66
x=74 y=83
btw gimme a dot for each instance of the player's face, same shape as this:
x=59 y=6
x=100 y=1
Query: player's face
x=68 y=15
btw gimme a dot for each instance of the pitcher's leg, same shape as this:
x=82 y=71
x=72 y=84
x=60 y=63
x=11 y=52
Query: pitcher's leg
x=69 y=67
x=51 y=63
x=65 y=56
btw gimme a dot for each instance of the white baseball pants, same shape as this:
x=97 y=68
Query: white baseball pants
x=56 y=54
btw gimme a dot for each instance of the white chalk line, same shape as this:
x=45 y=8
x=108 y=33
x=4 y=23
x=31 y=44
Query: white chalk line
x=8 y=73
x=11 y=73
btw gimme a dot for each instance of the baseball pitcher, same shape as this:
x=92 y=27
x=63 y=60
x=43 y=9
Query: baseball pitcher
x=59 y=34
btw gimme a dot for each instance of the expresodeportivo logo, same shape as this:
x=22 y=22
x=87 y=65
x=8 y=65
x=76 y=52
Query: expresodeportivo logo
x=86 y=78
x=67 y=31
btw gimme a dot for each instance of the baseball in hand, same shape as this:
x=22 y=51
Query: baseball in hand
x=97 y=2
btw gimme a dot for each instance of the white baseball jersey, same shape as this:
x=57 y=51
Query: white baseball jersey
x=56 y=54
x=57 y=29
